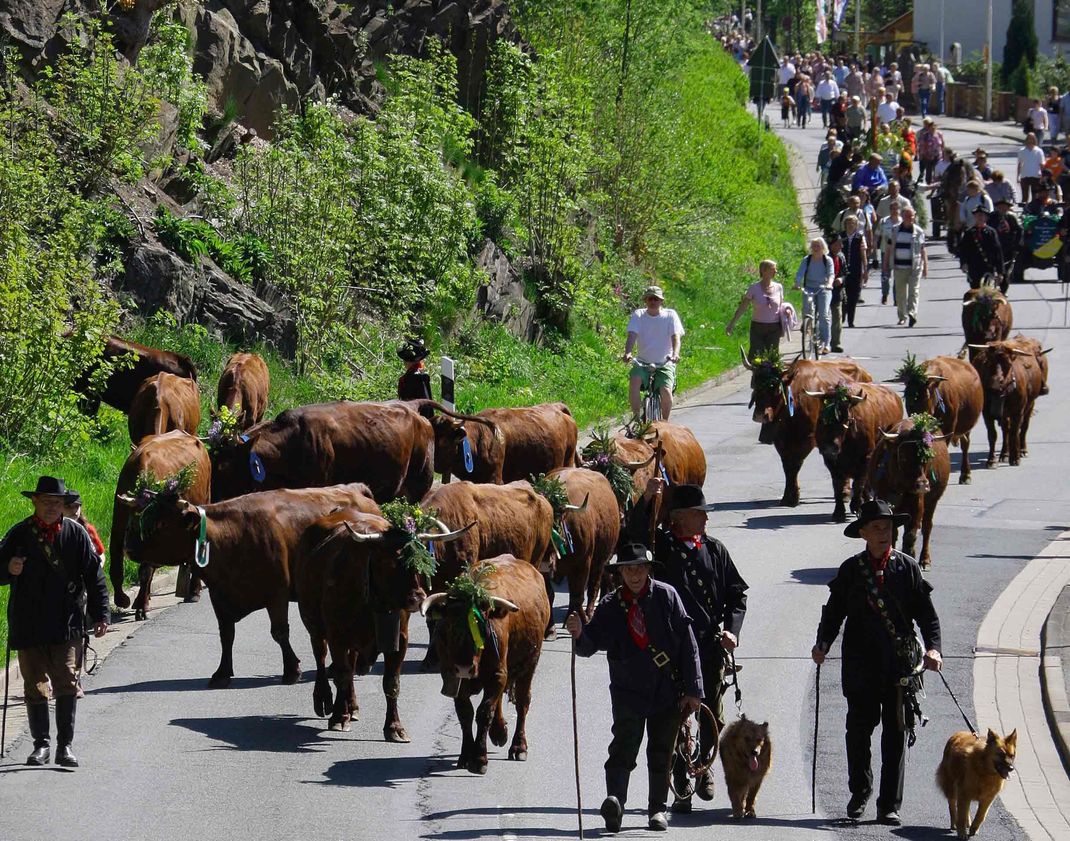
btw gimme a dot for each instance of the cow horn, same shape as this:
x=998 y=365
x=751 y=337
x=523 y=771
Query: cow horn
x=1049 y=350
x=126 y=499
x=935 y=378
x=858 y=398
x=431 y=601
x=814 y=393
x=746 y=362
x=969 y=303
x=581 y=507
x=445 y=535
x=941 y=437
x=889 y=436
x=498 y=601
x=637 y=465
x=360 y=537
x=438 y=407
x=1019 y=352
x=976 y=347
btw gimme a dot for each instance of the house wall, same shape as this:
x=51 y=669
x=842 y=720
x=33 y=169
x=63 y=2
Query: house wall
x=965 y=22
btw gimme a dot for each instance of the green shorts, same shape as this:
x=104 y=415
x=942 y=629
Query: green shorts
x=664 y=376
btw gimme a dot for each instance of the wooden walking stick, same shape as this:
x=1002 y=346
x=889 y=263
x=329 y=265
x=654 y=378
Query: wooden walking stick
x=7 y=675
x=576 y=742
x=817 y=717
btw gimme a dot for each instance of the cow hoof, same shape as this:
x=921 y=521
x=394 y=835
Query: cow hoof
x=839 y=517
x=550 y=633
x=219 y=681
x=1015 y=462
x=289 y=678
x=477 y=766
x=518 y=754
x=192 y=599
x=140 y=615
x=499 y=734
x=965 y=480
x=750 y=813
x=322 y=703
x=926 y=565
x=789 y=501
x=122 y=601
x=396 y=733
x=340 y=726
x=990 y=463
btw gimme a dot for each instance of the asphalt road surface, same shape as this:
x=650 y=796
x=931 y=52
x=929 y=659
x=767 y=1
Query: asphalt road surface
x=163 y=757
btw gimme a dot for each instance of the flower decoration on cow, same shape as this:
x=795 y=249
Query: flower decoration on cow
x=470 y=589
x=149 y=494
x=225 y=430
x=914 y=377
x=601 y=456
x=924 y=433
x=410 y=521
x=769 y=371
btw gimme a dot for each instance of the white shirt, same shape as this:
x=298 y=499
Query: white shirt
x=886 y=112
x=655 y=334
x=828 y=89
x=1039 y=116
x=786 y=72
x=1030 y=162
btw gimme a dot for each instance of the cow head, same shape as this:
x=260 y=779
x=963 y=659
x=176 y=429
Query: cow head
x=163 y=533
x=994 y=363
x=451 y=430
x=466 y=615
x=771 y=384
x=834 y=420
x=909 y=452
x=985 y=316
x=921 y=390
x=450 y=434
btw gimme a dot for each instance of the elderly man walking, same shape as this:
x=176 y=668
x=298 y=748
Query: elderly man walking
x=905 y=258
x=50 y=564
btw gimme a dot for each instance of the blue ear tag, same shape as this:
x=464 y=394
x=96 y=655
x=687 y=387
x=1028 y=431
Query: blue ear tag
x=466 y=449
x=256 y=468
x=244 y=439
x=791 y=403
x=665 y=474
x=567 y=533
x=940 y=401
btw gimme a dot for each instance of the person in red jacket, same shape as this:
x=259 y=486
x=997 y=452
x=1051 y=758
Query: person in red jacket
x=415 y=383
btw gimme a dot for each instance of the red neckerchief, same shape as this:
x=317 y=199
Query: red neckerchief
x=691 y=541
x=47 y=532
x=879 y=565
x=636 y=619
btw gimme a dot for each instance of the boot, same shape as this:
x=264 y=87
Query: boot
x=65 y=707
x=38 y=716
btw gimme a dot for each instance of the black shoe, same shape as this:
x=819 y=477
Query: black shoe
x=658 y=822
x=856 y=806
x=612 y=813
x=890 y=819
x=681 y=806
x=837 y=349
x=38 y=719
x=884 y=299
x=704 y=788
x=913 y=321
x=65 y=757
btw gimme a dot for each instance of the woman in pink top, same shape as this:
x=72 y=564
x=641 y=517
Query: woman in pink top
x=766 y=297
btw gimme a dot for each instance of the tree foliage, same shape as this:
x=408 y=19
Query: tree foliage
x=1021 y=44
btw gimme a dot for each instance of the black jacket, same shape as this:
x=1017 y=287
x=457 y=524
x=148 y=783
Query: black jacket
x=1009 y=231
x=868 y=651
x=45 y=607
x=634 y=679
x=979 y=248
x=415 y=385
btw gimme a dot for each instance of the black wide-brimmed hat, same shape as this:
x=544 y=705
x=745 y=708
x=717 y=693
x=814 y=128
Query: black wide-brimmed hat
x=72 y=497
x=413 y=351
x=688 y=496
x=47 y=486
x=632 y=554
x=873 y=510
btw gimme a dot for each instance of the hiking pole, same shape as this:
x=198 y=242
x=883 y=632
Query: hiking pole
x=813 y=766
x=576 y=741
x=7 y=675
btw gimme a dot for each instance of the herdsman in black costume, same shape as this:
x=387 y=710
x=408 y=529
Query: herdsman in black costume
x=714 y=594
x=881 y=594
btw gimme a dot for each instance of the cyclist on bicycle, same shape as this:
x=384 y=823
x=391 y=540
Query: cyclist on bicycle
x=980 y=251
x=654 y=334
x=815 y=276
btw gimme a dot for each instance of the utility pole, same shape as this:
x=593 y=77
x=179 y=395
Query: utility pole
x=988 y=65
x=858 y=28
x=941 y=32
x=758 y=24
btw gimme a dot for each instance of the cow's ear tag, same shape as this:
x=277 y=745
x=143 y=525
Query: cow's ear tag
x=244 y=439
x=466 y=450
x=791 y=403
x=256 y=468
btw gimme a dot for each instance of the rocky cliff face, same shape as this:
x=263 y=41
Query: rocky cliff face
x=261 y=54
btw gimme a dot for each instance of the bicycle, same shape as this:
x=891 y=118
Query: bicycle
x=811 y=344
x=651 y=396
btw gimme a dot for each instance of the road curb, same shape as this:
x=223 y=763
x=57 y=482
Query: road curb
x=1055 y=660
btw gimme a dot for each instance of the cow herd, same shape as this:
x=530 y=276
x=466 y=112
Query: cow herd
x=858 y=427
x=335 y=506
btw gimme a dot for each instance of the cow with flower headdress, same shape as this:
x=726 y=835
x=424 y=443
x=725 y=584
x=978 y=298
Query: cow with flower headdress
x=949 y=389
x=491 y=620
x=159 y=469
x=986 y=317
x=848 y=429
x=787 y=415
x=909 y=469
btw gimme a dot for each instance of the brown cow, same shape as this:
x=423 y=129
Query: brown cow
x=1012 y=378
x=243 y=388
x=522 y=442
x=590 y=535
x=159 y=456
x=986 y=317
x=848 y=428
x=951 y=392
x=682 y=455
x=634 y=455
x=1034 y=347
x=387 y=445
x=486 y=444
x=903 y=472
x=788 y=417
x=164 y=402
x=253 y=543
x=123 y=382
x=510 y=519
x=355 y=592
x=511 y=629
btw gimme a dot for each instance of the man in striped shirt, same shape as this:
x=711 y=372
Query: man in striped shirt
x=905 y=258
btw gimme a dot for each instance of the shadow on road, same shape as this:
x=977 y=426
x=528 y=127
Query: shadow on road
x=265 y=733
x=190 y=684
x=814 y=575
x=383 y=772
x=780 y=521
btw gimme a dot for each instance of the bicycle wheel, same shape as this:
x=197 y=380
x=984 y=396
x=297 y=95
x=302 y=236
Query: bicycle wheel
x=652 y=407
x=809 y=346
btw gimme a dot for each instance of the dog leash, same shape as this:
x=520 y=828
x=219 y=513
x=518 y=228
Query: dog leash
x=730 y=657
x=962 y=712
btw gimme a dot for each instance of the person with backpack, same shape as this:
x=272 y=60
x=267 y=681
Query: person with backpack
x=815 y=276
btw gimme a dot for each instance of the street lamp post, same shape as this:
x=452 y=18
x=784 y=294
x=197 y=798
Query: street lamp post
x=988 y=65
x=941 y=31
x=858 y=28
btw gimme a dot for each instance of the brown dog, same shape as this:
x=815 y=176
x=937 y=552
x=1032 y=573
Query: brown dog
x=747 y=755
x=974 y=769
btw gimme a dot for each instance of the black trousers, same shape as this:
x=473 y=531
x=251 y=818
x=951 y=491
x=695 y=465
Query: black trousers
x=864 y=712
x=852 y=291
x=628 y=727
x=711 y=658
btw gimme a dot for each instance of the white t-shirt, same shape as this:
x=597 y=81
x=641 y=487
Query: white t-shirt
x=1031 y=161
x=655 y=334
x=886 y=112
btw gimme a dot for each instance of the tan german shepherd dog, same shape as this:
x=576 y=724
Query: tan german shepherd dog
x=974 y=769
x=747 y=755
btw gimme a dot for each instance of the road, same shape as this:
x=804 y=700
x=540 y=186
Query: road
x=164 y=757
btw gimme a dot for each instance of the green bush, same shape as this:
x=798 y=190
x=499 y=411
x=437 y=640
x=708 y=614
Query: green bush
x=166 y=64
